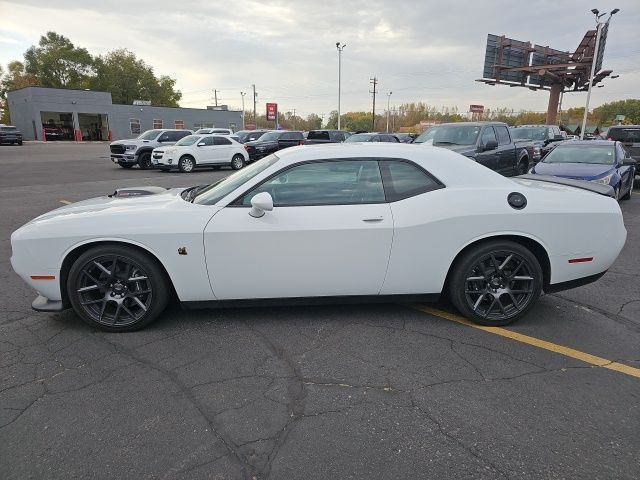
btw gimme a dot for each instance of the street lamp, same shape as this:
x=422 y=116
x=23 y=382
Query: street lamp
x=599 y=27
x=243 y=94
x=340 y=48
x=388 y=101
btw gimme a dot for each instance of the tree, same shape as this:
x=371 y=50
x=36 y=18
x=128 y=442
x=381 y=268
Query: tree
x=58 y=63
x=14 y=78
x=606 y=114
x=129 y=78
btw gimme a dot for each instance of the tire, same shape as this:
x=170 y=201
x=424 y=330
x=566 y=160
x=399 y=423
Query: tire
x=630 y=192
x=187 y=164
x=616 y=192
x=105 y=297
x=237 y=162
x=523 y=167
x=144 y=160
x=126 y=165
x=495 y=283
x=20 y=143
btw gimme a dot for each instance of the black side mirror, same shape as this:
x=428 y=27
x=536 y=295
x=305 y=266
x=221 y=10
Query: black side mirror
x=490 y=145
x=628 y=161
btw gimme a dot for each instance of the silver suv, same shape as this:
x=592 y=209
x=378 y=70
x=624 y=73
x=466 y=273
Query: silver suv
x=128 y=153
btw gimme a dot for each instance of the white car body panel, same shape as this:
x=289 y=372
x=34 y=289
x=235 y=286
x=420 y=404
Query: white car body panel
x=329 y=250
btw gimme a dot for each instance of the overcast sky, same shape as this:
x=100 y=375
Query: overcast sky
x=420 y=50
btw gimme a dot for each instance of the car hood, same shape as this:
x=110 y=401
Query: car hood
x=573 y=170
x=132 y=141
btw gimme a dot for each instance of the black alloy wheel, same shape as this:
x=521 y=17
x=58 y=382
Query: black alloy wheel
x=237 y=162
x=144 y=160
x=496 y=283
x=117 y=288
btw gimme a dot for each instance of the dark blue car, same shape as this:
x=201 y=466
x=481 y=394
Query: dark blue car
x=600 y=161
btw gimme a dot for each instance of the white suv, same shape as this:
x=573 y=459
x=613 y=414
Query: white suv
x=195 y=151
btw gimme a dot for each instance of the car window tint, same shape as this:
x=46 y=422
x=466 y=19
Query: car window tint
x=206 y=141
x=325 y=183
x=221 y=141
x=624 y=134
x=403 y=180
x=503 y=135
x=488 y=135
x=318 y=135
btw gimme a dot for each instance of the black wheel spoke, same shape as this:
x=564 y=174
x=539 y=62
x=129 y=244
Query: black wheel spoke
x=140 y=304
x=91 y=277
x=104 y=306
x=504 y=263
x=87 y=288
x=102 y=267
x=91 y=302
x=513 y=299
x=115 y=315
x=478 y=301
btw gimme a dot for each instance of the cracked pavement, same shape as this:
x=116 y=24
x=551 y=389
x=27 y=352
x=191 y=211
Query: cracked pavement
x=357 y=391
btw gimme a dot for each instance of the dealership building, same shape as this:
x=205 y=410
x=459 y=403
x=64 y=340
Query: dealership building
x=86 y=115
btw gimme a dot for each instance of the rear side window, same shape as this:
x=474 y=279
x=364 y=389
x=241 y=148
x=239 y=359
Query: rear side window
x=404 y=179
x=503 y=135
x=625 y=134
x=221 y=141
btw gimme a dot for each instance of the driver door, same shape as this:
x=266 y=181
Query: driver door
x=488 y=158
x=328 y=234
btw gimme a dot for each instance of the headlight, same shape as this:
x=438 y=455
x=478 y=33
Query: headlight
x=604 y=180
x=130 y=147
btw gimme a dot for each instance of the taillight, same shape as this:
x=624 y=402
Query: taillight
x=301 y=142
x=246 y=148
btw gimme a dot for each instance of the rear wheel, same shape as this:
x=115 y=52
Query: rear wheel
x=144 y=161
x=495 y=283
x=117 y=288
x=237 y=162
x=523 y=167
x=186 y=164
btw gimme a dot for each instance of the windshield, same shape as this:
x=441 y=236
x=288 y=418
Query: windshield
x=149 y=135
x=533 y=133
x=450 y=135
x=223 y=187
x=188 y=140
x=270 y=136
x=596 y=154
x=8 y=129
x=359 y=137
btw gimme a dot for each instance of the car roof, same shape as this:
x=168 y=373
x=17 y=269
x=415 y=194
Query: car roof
x=533 y=125
x=587 y=143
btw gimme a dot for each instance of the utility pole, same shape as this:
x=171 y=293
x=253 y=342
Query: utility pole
x=242 y=94
x=294 y=119
x=388 y=111
x=374 y=82
x=340 y=48
x=255 y=97
x=215 y=94
x=596 y=48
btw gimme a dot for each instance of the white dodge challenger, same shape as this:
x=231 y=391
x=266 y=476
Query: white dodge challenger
x=329 y=222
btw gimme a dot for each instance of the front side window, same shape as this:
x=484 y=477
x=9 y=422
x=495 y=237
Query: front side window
x=205 y=142
x=340 y=182
x=403 y=180
x=488 y=136
x=149 y=135
x=188 y=140
x=503 y=135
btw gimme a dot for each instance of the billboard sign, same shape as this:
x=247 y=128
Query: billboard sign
x=272 y=111
x=502 y=53
x=476 y=108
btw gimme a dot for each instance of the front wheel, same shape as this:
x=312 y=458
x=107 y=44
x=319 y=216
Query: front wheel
x=144 y=161
x=237 y=162
x=630 y=192
x=186 y=164
x=117 y=288
x=495 y=283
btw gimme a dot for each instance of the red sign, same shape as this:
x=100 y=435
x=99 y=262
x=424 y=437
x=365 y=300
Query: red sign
x=476 y=108
x=272 y=111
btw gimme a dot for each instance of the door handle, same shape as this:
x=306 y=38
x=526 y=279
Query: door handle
x=373 y=220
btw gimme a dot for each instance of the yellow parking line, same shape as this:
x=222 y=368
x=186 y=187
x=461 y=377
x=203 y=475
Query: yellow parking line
x=536 y=342
x=66 y=202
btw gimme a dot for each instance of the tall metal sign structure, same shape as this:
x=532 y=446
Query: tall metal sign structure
x=522 y=64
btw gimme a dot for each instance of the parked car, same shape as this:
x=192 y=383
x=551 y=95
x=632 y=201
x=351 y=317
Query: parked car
x=128 y=153
x=195 y=151
x=542 y=137
x=629 y=136
x=10 y=134
x=372 y=137
x=245 y=136
x=488 y=143
x=53 y=132
x=214 y=131
x=315 y=137
x=272 y=142
x=406 y=137
x=599 y=161
x=359 y=228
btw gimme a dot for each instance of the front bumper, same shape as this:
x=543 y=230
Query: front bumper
x=125 y=158
x=43 y=304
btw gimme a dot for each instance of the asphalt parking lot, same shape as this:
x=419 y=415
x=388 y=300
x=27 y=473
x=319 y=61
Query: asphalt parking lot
x=358 y=391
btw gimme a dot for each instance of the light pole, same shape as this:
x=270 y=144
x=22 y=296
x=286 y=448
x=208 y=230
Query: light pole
x=340 y=48
x=599 y=27
x=388 y=101
x=242 y=94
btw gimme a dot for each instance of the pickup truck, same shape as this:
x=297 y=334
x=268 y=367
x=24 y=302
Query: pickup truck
x=315 y=137
x=128 y=153
x=272 y=142
x=542 y=137
x=488 y=143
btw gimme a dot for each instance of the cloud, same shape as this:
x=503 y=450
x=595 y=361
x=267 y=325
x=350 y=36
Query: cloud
x=421 y=50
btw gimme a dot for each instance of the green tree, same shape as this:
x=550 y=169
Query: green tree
x=58 y=63
x=129 y=78
x=606 y=113
x=13 y=78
